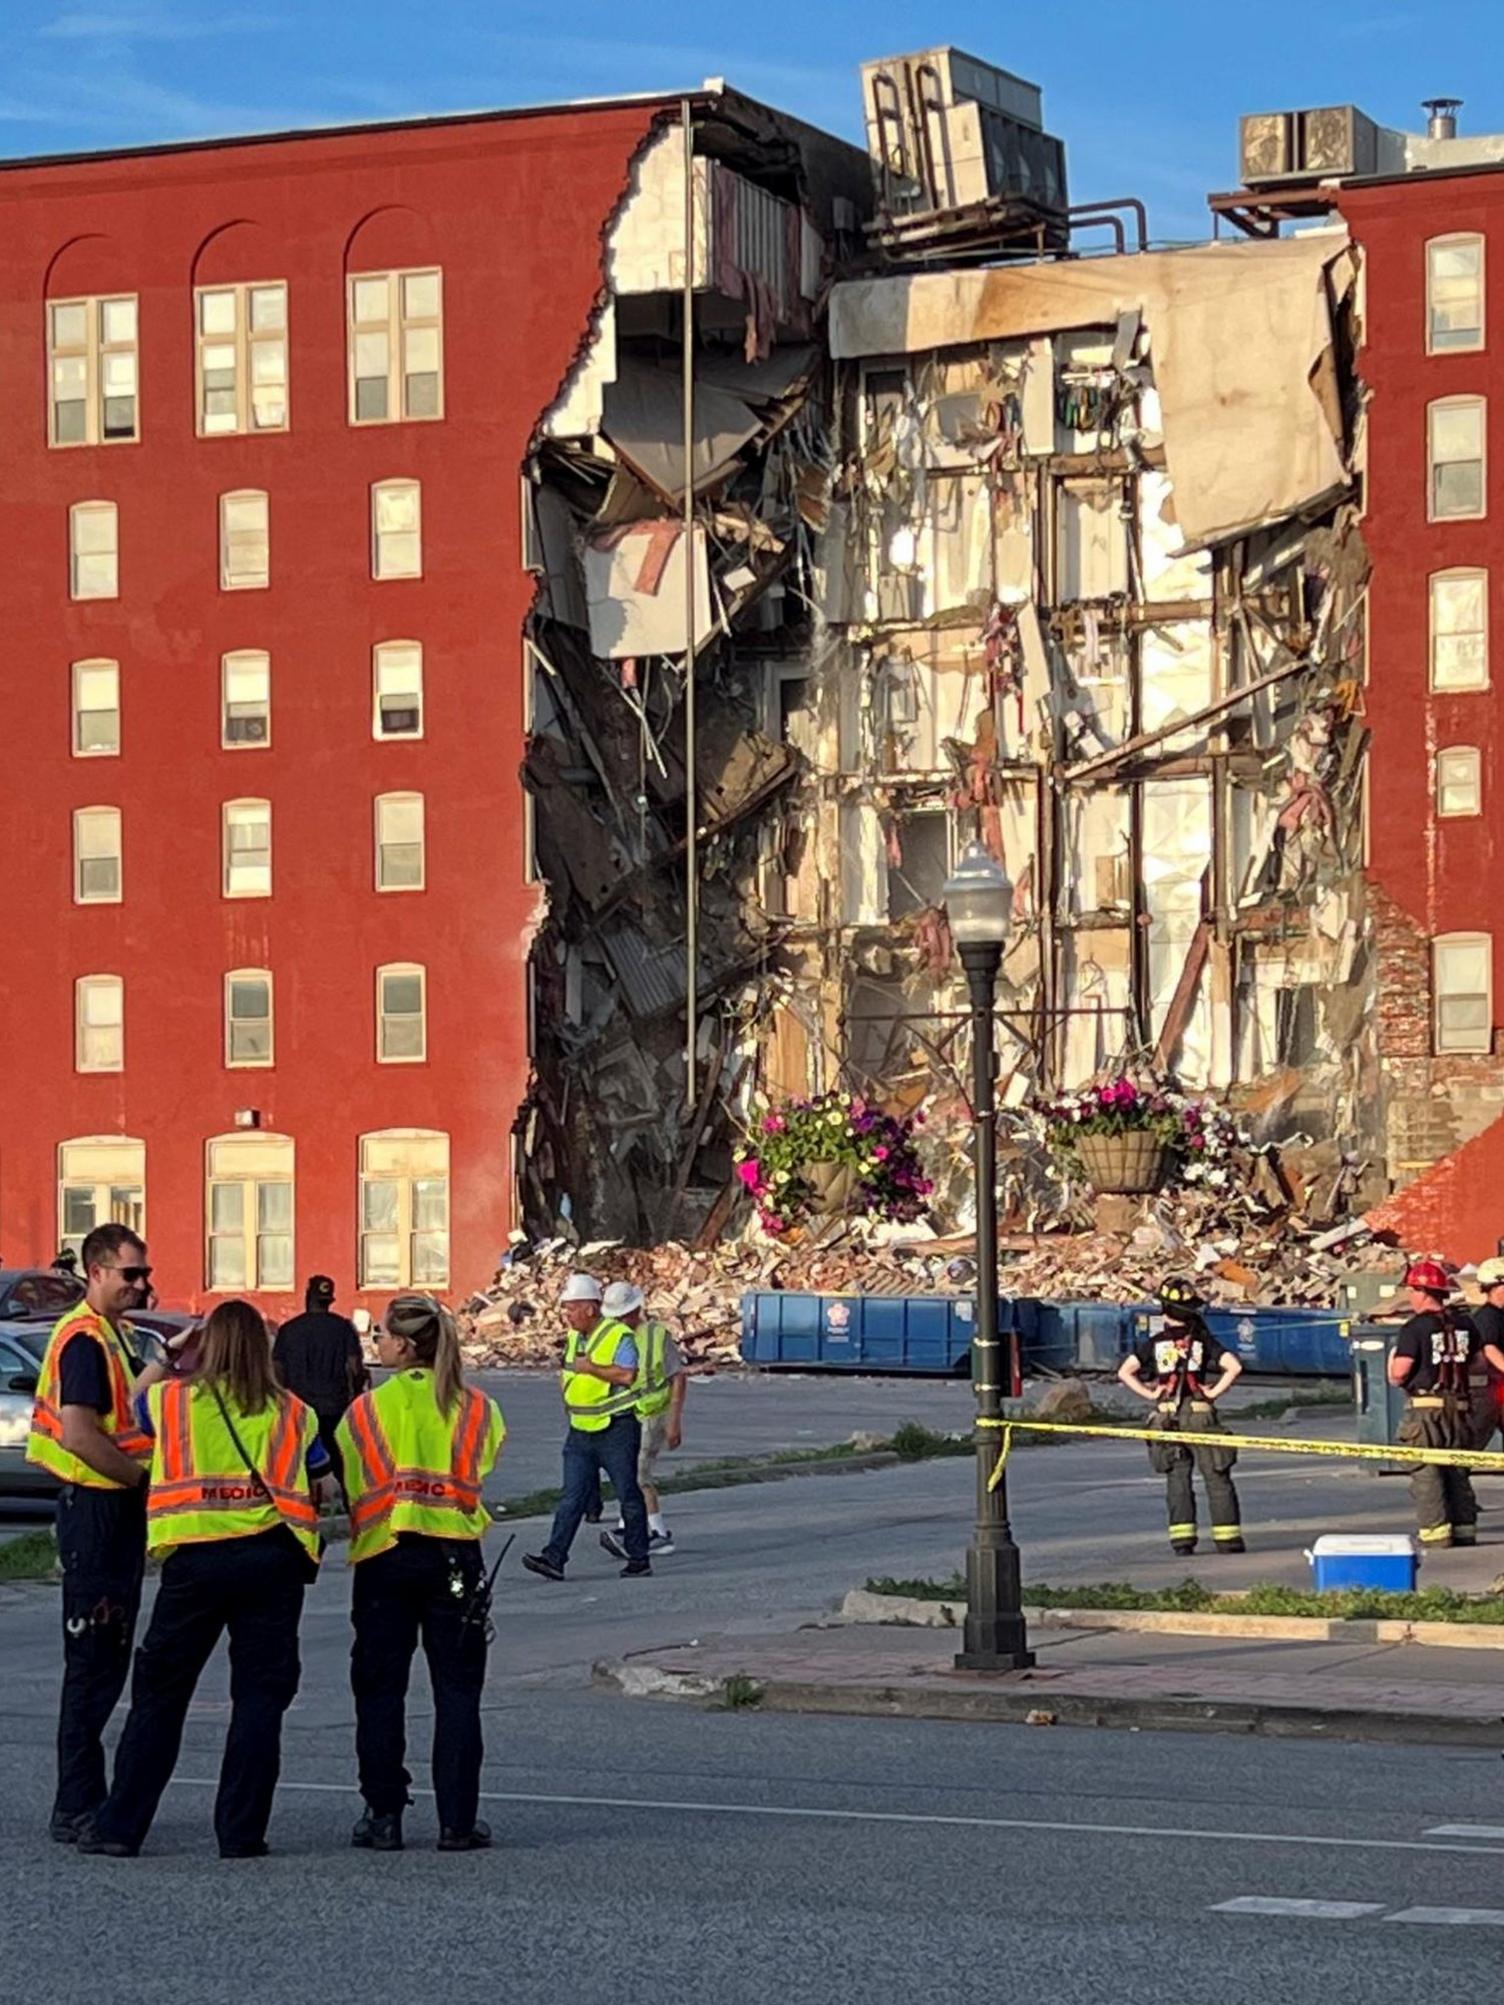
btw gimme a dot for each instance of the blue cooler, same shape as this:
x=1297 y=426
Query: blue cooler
x=1383 y=1560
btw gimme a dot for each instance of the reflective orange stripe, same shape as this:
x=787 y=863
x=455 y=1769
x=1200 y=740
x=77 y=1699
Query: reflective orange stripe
x=175 y=1448
x=377 y=1466
x=471 y=1435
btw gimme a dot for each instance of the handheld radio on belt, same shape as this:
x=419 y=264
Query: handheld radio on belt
x=477 y=1610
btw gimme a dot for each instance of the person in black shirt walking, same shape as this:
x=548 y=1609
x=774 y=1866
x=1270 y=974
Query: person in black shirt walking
x=318 y=1359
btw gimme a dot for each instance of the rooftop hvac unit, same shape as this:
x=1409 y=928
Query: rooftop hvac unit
x=1326 y=144
x=946 y=131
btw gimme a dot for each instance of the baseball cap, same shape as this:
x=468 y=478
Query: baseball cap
x=581 y=1288
x=621 y=1298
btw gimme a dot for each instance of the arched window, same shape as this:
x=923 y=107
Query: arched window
x=1454 y=294
x=1459 y=781
x=248 y=1212
x=404 y=1208
x=401 y=1014
x=101 y=1180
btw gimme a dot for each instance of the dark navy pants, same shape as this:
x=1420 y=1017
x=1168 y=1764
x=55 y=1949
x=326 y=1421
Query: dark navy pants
x=612 y=1451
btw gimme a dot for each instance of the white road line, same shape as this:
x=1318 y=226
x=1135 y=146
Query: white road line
x=1466 y=1831
x=1312 y=1910
x=1176 y=1833
x=1453 y=1917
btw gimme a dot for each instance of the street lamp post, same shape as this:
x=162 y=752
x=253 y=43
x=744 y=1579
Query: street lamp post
x=979 y=902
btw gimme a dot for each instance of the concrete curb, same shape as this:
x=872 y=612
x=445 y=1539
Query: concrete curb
x=910 y=1612
x=1023 y=1704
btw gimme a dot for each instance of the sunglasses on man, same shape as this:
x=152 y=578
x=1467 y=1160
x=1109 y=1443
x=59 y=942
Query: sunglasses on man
x=139 y=1276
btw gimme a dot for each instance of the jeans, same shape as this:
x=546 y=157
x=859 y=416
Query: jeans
x=614 y=1449
x=419 y=1587
x=101 y=1542
x=254 y=1588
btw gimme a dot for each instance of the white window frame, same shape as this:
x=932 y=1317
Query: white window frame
x=1433 y=513
x=79 y=513
x=86 y=987
x=380 y=653
x=1478 y=339
x=384 y=566
x=95 y=352
x=384 y=842
x=1466 y=771
x=109 y=817
x=112 y=1170
x=1450 y=685
x=404 y=970
x=1480 y=1042
x=241 y=578
x=247 y=342
x=77 y=711
x=227 y=822
x=244 y=977
x=398 y=327
x=232 y=1160
x=396 y=1142
x=240 y=658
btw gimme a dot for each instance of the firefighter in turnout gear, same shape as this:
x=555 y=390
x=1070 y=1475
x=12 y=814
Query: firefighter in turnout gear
x=1182 y=1372
x=417 y=1451
x=1432 y=1358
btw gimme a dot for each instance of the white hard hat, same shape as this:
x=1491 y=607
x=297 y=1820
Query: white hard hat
x=581 y=1288
x=1491 y=1274
x=361 y=1318
x=621 y=1298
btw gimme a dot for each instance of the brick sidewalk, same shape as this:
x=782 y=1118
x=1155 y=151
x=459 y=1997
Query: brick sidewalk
x=1334 y=1690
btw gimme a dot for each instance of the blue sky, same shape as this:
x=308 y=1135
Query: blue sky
x=1146 y=96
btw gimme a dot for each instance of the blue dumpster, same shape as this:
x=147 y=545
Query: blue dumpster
x=872 y=1333
x=1286 y=1343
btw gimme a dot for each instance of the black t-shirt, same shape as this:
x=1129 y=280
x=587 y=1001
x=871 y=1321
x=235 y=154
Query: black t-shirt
x=1161 y=1360
x=1432 y=1340
x=83 y=1375
x=318 y=1358
x=1489 y=1323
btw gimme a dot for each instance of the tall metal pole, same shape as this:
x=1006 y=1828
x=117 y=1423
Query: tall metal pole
x=995 y=1637
x=691 y=764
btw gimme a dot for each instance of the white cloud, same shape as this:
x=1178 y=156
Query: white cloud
x=141 y=24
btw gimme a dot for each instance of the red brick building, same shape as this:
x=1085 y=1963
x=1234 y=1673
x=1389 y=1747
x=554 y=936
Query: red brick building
x=1432 y=362
x=263 y=406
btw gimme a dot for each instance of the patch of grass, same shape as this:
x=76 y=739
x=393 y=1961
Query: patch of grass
x=739 y=1693
x=914 y=1443
x=1272 y=1409
x=32 y=1556
x=1357 y=1604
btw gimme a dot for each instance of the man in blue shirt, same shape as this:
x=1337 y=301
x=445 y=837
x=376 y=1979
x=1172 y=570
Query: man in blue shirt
x=605 y=1434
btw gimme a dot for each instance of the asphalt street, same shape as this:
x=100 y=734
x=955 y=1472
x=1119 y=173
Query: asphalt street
x=649 y=1852
x=648 y=1849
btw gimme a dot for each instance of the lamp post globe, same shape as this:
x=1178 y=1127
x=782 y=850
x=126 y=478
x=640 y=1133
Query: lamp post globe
x=979 y=906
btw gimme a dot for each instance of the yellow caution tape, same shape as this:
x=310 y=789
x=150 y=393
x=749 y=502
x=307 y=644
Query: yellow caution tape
x=1358 y=1451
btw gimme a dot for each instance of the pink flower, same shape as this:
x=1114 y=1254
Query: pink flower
x=750 y=1173
x=880 y=1153
x=773 y=1124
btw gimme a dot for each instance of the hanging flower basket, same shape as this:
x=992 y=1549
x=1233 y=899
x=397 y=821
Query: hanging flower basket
x=832 y=1156
x=1127 y=1164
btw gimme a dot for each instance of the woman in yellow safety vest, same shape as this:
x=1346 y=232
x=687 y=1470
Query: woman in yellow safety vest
x=232 y=1512
x=416 y=1452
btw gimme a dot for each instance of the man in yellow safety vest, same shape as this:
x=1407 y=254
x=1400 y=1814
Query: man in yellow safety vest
x=660 y=1387
x=84 y=1432
x=599 y=1384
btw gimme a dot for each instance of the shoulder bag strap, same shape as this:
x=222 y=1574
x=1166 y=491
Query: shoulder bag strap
x=240 y=1447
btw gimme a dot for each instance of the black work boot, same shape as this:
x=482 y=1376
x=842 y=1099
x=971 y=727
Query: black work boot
x=476 y=1839
x=378 y=1834
x=1183 y=1546
x=1230 y=1545
x=543 y=1564
x=68 y=1826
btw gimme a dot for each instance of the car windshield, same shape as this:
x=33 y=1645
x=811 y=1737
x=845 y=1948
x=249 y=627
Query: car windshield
x=40 y=1294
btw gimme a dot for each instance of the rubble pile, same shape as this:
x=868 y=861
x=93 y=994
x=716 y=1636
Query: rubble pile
x=698 y=1291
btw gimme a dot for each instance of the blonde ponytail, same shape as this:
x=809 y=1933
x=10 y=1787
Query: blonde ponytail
x=430 y=1329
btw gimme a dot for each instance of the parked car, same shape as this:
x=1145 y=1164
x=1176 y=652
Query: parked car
x=20 y=1361
x=31 y=1301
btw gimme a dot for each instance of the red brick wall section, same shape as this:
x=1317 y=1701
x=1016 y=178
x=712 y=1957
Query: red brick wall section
x=514 y=211
x=1402 y=979
x=1454 y=1208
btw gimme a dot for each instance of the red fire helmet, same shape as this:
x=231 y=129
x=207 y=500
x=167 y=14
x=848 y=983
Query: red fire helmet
x=1428 y=1275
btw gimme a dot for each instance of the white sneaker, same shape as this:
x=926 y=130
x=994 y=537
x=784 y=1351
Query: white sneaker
x=660 y=1542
